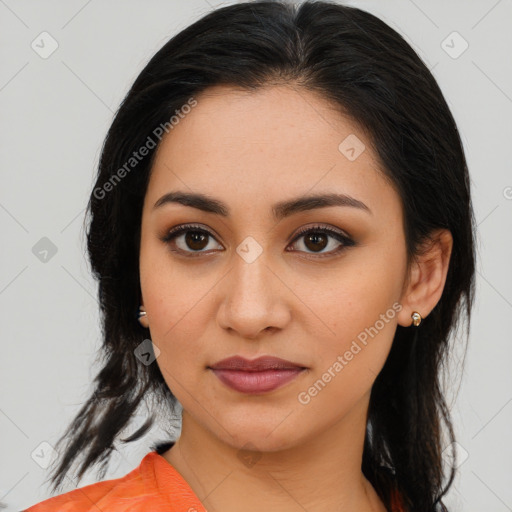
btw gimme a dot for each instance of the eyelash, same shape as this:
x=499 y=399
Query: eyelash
x=340 y=237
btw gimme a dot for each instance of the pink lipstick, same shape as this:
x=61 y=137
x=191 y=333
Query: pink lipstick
x=257 y=375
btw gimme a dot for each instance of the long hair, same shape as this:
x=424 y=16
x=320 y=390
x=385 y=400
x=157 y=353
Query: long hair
x=361 y=65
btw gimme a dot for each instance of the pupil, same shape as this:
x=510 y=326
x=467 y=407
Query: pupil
x=195 y=240
x=315 y=239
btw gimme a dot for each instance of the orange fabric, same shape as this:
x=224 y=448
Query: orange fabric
x=155 y=486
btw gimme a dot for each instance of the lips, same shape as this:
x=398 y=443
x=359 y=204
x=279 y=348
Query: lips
x=255 y=365
x=255 y=376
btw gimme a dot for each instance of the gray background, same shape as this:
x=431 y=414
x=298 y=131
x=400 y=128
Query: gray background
x=54 y=115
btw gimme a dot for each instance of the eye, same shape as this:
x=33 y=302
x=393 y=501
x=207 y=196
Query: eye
x=189 y=239
x=316 y=239
x=192 y=240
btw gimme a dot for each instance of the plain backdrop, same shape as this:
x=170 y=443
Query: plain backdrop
x=57 y=99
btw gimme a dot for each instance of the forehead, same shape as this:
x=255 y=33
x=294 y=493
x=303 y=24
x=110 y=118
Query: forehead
x=271 y=143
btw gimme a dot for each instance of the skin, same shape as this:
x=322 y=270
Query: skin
x=251 y=150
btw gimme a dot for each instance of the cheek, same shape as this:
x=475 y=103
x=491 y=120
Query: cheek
x=176 y=305
x=177 y=320
x=177 y=328
x=351 y=299
x=174 y=294
x=349 y=359
x=357 y=316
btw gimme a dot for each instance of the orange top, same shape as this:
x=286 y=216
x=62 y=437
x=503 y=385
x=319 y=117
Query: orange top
x=155 y=485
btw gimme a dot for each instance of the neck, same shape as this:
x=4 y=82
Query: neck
x=319 y=474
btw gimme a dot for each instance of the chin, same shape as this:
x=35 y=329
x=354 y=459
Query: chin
x=260 y=437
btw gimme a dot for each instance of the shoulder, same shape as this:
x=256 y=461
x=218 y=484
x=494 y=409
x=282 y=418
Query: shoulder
x=137 y=488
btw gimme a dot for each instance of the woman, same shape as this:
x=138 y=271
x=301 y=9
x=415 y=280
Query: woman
x=283 y=235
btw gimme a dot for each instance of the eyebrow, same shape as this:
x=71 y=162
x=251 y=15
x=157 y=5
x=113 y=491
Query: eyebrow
x=280 y=210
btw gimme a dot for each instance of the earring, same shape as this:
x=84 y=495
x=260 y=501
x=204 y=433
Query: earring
x=416 y=319
x=141 y=314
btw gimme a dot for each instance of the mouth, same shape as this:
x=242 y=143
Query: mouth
x=256 y=376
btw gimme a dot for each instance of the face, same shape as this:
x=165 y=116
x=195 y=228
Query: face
x=317 y=283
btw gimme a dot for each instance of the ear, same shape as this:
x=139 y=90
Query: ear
x=427 y=276
x=143 y=320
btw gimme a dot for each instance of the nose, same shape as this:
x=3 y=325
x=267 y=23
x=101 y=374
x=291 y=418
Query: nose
x=254 y=299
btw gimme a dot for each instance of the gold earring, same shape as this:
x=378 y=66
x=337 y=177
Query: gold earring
x=416 y=319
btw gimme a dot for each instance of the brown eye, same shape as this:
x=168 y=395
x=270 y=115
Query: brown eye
x=317 y=238
x=196 y=240
x=316 y=241
x=190 y=239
